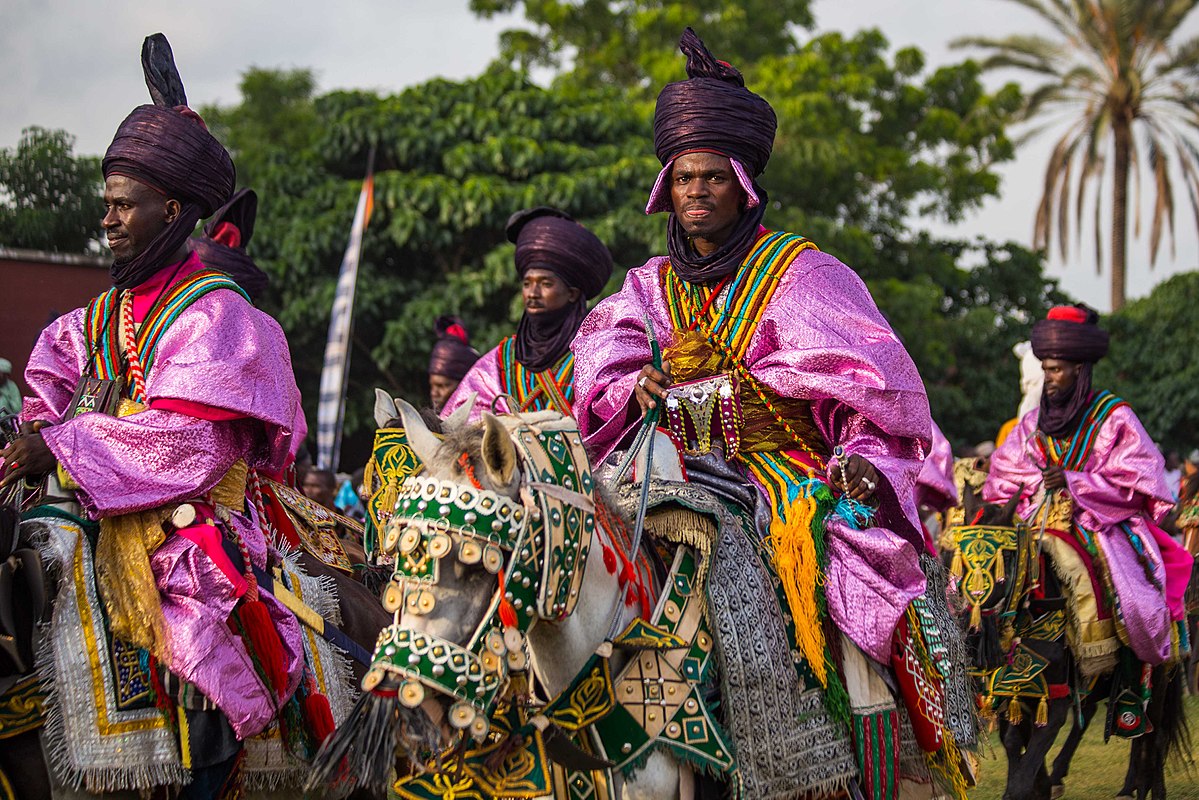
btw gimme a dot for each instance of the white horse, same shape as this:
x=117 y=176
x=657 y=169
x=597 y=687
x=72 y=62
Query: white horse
x=558 y=650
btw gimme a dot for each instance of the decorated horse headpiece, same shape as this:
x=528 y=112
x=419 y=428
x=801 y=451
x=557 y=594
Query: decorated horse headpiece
x=536 y=547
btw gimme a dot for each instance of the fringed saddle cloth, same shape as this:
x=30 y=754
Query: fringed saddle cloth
x=104 y=730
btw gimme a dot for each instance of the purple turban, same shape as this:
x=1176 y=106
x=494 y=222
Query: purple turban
x=171 y=150
x=226 y=236
x=712 y=111
x=1071 y=333
x=452 y=354
x=167 y=146
x=547 y=238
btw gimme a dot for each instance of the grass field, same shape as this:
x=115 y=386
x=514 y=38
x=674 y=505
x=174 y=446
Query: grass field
x=1098 y=769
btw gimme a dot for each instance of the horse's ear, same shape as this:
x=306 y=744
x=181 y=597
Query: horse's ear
x=460 y=415
x=499 y=454
x=385 y=408
x=1009 y=508
x=423 y=442
x=970 y=502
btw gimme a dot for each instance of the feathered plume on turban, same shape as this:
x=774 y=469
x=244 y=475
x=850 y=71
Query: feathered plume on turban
x=452 y=354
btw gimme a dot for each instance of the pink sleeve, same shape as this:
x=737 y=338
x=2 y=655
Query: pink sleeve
x=149 y=459
x=1128 y=478
x=484 y=380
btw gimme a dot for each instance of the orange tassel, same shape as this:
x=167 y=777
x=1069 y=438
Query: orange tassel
x=319 y=716
x=264 y=640
x=507 y=613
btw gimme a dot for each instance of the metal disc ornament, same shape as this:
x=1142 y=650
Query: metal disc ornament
x=412 y=694
x=439 y=545
x=409 y=540
x=493 y=559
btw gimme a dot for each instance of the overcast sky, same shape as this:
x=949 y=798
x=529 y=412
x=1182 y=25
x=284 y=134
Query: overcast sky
x=73 y=64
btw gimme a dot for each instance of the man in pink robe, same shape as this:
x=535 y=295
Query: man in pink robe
x=561 y=266
x=210 y=385
x=1086 y=452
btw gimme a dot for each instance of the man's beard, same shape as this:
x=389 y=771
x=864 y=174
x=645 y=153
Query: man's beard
x=1060 y=413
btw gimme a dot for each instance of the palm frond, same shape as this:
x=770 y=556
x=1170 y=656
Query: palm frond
x=1163 y=206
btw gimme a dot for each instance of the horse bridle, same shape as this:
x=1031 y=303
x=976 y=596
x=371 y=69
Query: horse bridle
x=537 y=548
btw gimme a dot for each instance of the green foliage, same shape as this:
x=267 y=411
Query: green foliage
x=276 y=116
x=960 y=325
x=631 y=43
x=1152 y=362
x=452 y=162
x=49 y=199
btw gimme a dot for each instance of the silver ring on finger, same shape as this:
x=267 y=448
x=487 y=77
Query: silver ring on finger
x=641 y=382
x=870 y=485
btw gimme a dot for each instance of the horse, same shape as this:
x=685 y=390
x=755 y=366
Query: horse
x=1012 y=632
x=483 y=462
x=350 y=627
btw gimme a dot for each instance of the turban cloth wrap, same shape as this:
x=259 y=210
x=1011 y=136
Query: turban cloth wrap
x=1069 y=333
x=170 y=150
x=452 y=354
x=549 y=239
x=226 y=236
x=713 y=112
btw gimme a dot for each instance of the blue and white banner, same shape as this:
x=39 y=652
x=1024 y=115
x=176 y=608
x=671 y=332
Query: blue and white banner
x=330 y=412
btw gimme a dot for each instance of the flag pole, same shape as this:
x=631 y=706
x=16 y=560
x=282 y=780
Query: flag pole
x=330 y=414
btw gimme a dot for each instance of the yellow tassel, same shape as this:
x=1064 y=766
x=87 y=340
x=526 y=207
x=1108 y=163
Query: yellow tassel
x=1042 y=713
x=389 y=496
x=988 y=706
x=976 y=616
x=1015 y=714
x=957 y=568
x=1000 y=577
x=796 y=567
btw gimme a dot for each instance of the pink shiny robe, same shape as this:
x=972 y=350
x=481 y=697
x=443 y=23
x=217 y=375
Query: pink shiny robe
x=1122 y=482
x=820 y=339
x=225 y=368
x=484 y=380
x=935 y=488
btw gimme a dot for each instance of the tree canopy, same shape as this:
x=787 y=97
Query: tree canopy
x=1152 y=362
x=50 y=199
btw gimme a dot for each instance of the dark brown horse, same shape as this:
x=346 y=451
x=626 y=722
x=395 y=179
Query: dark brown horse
x=1027 y=736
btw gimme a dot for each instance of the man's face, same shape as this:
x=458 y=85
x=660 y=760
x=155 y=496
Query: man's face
x=135 y=215
x=1060 y=376
x=707 y=198
x=440 y=389
x=318 y=488
x=544 y=292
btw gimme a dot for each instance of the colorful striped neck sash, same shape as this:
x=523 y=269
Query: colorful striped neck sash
x=731 y=324
x=536 y=391
x=1073 y=452
x=103 y=322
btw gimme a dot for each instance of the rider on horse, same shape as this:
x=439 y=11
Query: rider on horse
x=778 y=362
x=1084 y=459
x=194 y=389
x=561 y=265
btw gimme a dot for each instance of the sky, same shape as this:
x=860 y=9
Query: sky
x=73 y=64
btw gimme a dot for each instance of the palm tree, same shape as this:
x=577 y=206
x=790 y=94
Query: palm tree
x=1114 y=77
